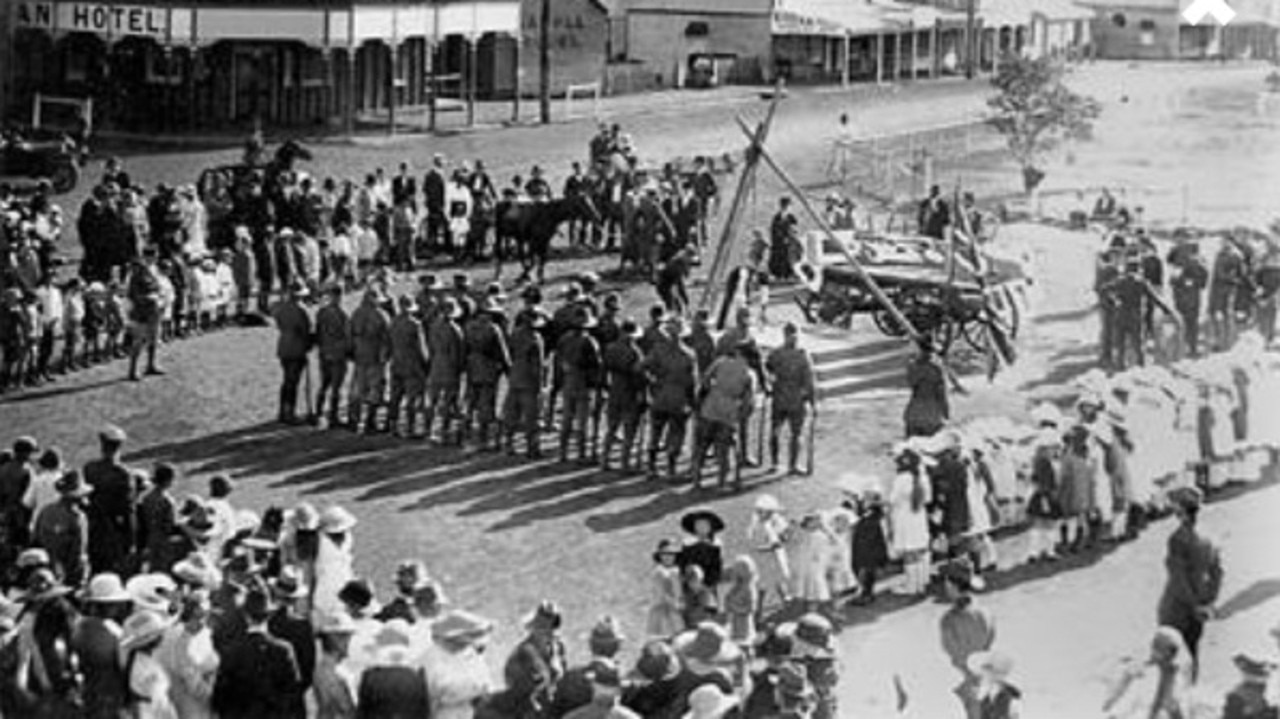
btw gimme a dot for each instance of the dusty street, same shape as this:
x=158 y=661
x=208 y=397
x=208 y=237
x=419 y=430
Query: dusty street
x=502 y=534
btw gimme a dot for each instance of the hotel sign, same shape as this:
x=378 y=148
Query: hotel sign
x=107 y=19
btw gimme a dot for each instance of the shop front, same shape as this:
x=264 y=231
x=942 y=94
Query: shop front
x=181 y=66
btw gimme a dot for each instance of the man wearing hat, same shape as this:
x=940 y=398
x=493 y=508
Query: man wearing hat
x=674 y=378
x=111 y=506
x=576 y=690
x=162 y=541
x=1249 y=699
x=16 y=476
x=292 y=345
x=289 y=622
x=62 y=529
x=96 y=643
x=448 y=353
x=1132 y=297
x=628 y=392
x=1194 y=573
x=966 y=629
x=534 y=668
x=727 y=392
x=333 y=682
x=488 y=359
x=258 y=676
x=813 y=649
x=578 y=359
x=371 y=351
x=740 y=338
x=144 y=313
x=409 y=365
x=433 y=194
x=524 y=385
x=428 y=298
x=794 y=393
x=333 y=340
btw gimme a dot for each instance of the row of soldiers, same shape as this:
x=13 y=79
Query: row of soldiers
x=445 y=351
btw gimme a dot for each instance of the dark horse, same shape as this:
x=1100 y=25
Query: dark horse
x=531 y=226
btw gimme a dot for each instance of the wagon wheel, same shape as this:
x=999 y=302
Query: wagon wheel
x=887 y=324
x=976 y=332
x=943 y=335
x=941 y=332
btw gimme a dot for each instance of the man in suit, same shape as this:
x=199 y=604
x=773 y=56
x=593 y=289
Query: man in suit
x=404 y=188
x=294 y=325
x=158 y=521
x=111 y=506
x=433 y=187
x=258 y=676
x=290 y=623
x=1194 y=574
x=934 y=215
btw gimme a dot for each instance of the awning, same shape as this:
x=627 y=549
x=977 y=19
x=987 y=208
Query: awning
x=838 y=17
x=919 y=16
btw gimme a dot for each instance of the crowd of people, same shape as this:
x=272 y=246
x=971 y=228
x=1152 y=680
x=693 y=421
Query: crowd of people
x=221 y=250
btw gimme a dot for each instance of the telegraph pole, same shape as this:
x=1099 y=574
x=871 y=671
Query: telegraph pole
x=970 y=25
x=544 y=62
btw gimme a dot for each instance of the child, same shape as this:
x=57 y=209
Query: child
x=840 y=574
x=178 y=278
x=72 y=323
x=700 y=603
x=49 y=300
x=204 y=294
x=342 y=257
x=244 y=268
x=758 y=294
x=742 y=600
x=767 y=534
x=810 y=556
x=909 y=516
x=1043 y=508
x=32 y=330
x=167 y=298
x=113 y=327
x=227 y=289
x=95 y=322
x=666 y=612
x=12 y=338
x=870 y=546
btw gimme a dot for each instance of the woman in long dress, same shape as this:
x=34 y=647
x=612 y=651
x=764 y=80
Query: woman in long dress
x=811 y=547
x=147 y=679
x=909 y=498
x=187 y=654
x=454 y=665
x=666 y=593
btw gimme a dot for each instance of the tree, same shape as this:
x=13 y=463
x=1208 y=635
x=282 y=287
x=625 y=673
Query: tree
x=1036 y=112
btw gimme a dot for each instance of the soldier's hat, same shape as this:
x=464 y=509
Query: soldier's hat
x=428 y=281
x=450 y=308
x=629 y=328
x=584 y=318
x=112 y=434
x=612 y=301
x=407 y=304
x=495 y=290
x=533 y=318
x=491 y=305
x=461 y=281
x=531 y=294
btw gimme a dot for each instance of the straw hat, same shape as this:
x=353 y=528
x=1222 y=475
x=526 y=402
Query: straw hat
x=546 y=617
x=690 y=519
x=336 y=520
x=392 y=644
x=708 y=702
x=812 y=636
x=153 y=592
x=461 y=627
x=305 y=517
x=106 y=588
x=197 y=570
x=143 y=627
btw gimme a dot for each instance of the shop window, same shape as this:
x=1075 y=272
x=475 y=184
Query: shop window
x=1119 y=20
x=77 y=68
x=161 y=71
x=697 y=29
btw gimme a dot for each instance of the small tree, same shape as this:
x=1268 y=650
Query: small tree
x=1036 y=112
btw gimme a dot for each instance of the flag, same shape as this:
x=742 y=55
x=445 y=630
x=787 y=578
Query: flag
x=900 y=694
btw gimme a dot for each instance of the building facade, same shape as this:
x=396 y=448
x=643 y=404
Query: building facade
x=229 y=63
x=579 y=44
x=1156 y=30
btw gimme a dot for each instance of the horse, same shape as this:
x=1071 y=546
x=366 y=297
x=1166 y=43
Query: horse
x=531 y=226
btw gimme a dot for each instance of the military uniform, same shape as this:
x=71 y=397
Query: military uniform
x=408 y=371
x=730 y=387
x=1188 y=289
x=487 y=360
x=1133 y=296
x=371 y=350
x=1105 y=273
x=524 y=386
x=674 y=372
x=333 y=337
x=111 y=515
x=448 y=362
x=628 y=387
x=793 y=391
x=62 y=529
x=578 y=358
x=292 y=346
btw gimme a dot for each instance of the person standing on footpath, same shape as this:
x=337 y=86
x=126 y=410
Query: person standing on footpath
x=1194 y=574
x=409 y=363
x=524 y=386
x=929 y=407
x=333 y=338
x=628 y=390
x=794 y=394
x=674 y=377
x=371 y=350
x=292 y=348
x=112 y=520
x=144 y=313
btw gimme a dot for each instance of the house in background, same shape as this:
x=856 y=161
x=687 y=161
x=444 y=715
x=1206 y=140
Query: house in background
x=1156 y=30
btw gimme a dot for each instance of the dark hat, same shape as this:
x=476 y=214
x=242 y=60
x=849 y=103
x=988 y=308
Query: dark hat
x=450 y=308
x=428 y=281
x=812 y=635
x=629 y=328
x=774 y=645
x=1253 y=667
x=612 y=301
x=298 y=288
x=690 y=519
x=793 y=682
x=531 y=294
x=666 y=548
x=709 y=643
x=606 y=636
x=164 y=473
x=258 y=604
x=584 y=318
x=1186 y=497
x=546 y=617
x=658 y=662
x=495 y=289
x=71 y=484
x=25 y=445
x=461 y=281
x=589 y=281
x=358 y=593
x=289 y=584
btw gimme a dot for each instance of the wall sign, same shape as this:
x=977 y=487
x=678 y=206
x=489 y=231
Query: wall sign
x=107 y=19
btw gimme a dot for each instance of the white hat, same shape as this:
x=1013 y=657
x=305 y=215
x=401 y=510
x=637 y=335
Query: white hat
x=106 y=587
x=336 y=519
x=1046 y=414
x=768 y=503
x=990 y=663
x=143 y=627
x=855 y=482
x=152 y=592
x=708 y=702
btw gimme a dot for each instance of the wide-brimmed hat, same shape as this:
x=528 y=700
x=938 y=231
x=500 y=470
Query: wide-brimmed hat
x=792 y=682
x=690 y=519
x=305 y=517
x=1186 y=497
x=658 y=662
x=106 y=588
x=336 y=520
x=450 y=308
x=72 y=484
x=629 y=328
x=584 y=318
x=358 y=593
x=32 y=558
x=142 y=628
x=990 y=663
x=812 y=636
x=1253 y=667
x=546 y=617
x=153 y=592
x=708 y=702
x=289 y=584
x=709 y=643
x=44 y=584
x=606 y=632
x=460 y=627
x=492 y=306
x=768 y=503
x=198 y=570
x=428 y=282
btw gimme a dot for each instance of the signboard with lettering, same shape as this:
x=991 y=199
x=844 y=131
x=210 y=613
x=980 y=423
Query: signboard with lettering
x=786 y=22
x=107 y=19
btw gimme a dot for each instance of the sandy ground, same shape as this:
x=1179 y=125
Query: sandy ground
x=503 y=534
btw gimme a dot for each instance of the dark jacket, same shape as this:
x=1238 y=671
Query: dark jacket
x=258 y=678
x=487 y=355
x=448 y=352
x=333 y=334
x=160 y=538
x=408 y=348
x=528 y=359
x=1194 y=571
x=297 y=632
x=392 y=692
x=295 y=330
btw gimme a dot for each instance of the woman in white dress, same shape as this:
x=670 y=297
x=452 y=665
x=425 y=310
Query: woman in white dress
x=767 y=535
x=909 y=499
x=187 y=654
x=455 y=668
x=810 y=549
x=147 y=679
x=333 y=568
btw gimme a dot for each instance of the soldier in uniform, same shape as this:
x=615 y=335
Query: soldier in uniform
x=562 y=323
x=794 y=394
x=488 y=359
x=111 y=506
x=1227 y=281
x=628 y=390
x=1188 y=290
x=609 y=328
x=62 y=529
x=740 y=338
x=578 y=357
x=292 y=346
x=701 y=341
x=1105 y=273
x=728 y=389
x=524 y=386
x=448 y=362
x=333 y=337
x=1133 y=294
x=408 y=369
x=673 y=371
x=144 y=313
x=371 y=350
